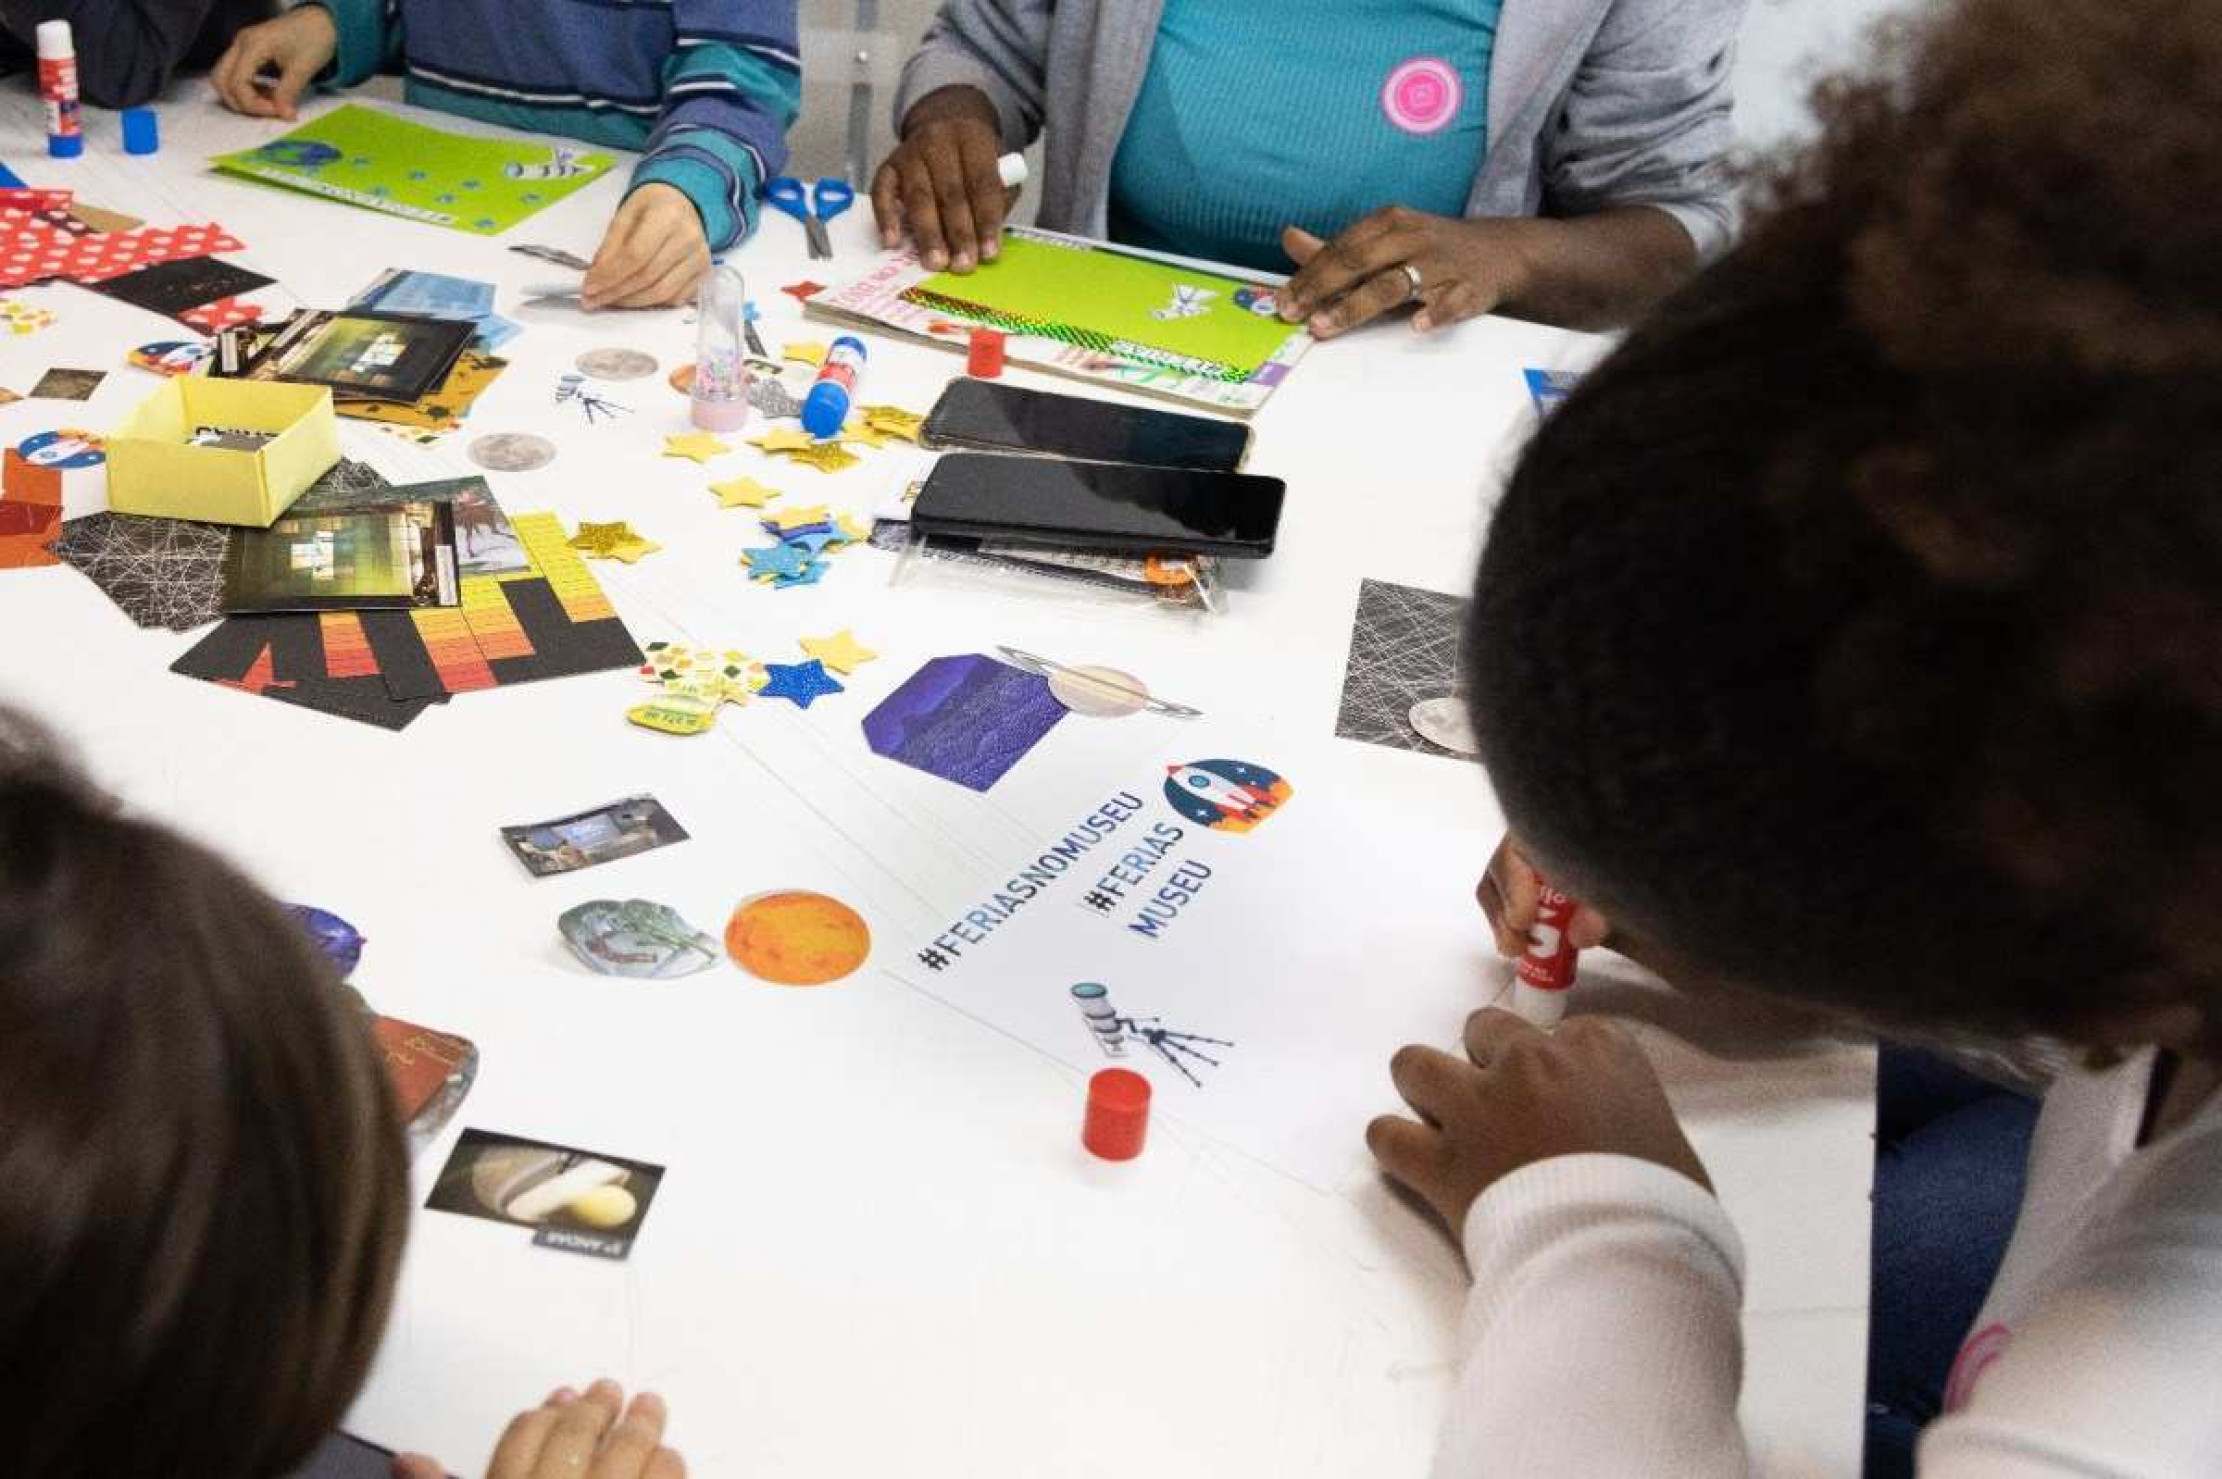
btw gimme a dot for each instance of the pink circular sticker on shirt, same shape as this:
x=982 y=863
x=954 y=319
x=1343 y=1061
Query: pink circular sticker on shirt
x=1422 y=95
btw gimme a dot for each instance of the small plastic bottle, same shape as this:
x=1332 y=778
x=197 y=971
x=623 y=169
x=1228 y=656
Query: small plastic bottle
x=718 y=400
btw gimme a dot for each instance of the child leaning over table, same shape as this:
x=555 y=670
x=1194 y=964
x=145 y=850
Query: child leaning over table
x=206 y=1184
x=705 y=89
x=1853 y=634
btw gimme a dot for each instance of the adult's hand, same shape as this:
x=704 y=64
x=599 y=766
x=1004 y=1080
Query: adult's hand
x=940 y=186
x=654 y=253
x=297 y=44
x=1522 y=1095
x=574 y=1436
x=1457 y=270
x=1509 y=894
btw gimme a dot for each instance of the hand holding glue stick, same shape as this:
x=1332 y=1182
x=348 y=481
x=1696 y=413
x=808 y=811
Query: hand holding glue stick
x=1539 y=927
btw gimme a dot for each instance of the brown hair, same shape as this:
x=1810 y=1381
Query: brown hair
x=1855 y=629
x=203 y=1185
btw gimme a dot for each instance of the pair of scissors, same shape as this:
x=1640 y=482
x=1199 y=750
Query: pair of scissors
x=827 y=199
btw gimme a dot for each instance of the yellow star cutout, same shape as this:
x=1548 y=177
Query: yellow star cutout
x=784 y=439
x=797 y=518
x=824 y=456
x=743 y=493
x=840 y=652
x=894 y=421
x=854 y=530
x=804 y=352
x=613 y=542
x=864 y=434
x=696 y=446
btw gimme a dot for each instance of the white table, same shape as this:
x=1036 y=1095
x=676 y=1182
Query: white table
x=879 y=1250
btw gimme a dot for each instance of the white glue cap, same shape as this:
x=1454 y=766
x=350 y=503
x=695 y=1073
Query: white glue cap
x=1010 y=169
x=55 y=41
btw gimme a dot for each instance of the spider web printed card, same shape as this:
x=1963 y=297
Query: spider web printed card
x=1093 y=311
x=1214 y=917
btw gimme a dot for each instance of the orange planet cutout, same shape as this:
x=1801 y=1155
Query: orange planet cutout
x=794 y=938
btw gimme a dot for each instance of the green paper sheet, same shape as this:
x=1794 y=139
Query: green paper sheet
x=382 y=163
x=1096 y=298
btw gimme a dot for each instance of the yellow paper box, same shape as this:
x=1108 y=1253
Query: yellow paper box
x=153 y=470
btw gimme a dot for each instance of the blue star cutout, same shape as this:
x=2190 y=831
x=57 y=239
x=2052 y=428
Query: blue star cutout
x=802 y=682
x=811 y=574
x=778 y=559
x=813 y=540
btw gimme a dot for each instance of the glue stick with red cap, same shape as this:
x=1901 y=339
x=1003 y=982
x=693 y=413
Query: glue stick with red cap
x=1546 y=970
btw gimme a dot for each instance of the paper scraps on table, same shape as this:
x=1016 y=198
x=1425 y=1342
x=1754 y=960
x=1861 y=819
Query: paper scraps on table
x=743 y=493
x=486 y=543
x=840 y=652
x=804 y=352
x=804 y=291
x=858 y=432
x=19 y=317
x=67 y=385
x=697 y=683
x=1403 y=652
x=613 y=542
x=439 y=295
x=572 y=390
x=576 y=1201
x=170 y=356
x=695 y=446
x=1097 y=692
x=602 y=834
x=440 y=409
x=431 y=1073
x=637 y=938
x=967 y=719
x=30 y=514
x=894 y=421
x=797 y=938
x=32 y=253
x=170 y=572
x=386 y=667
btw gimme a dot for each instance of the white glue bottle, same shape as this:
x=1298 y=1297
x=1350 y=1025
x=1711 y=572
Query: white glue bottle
x=718 y=400
x=65 y=137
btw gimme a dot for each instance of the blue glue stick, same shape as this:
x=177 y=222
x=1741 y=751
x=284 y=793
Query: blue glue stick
x=826 y=409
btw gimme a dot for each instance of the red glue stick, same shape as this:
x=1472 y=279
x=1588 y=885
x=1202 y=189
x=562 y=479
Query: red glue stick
x=1547 y=969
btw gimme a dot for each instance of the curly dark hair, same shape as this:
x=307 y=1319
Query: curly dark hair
x=206 y=1187
x=1855 y=629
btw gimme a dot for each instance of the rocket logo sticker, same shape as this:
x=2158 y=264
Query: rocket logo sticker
x=1225 y=795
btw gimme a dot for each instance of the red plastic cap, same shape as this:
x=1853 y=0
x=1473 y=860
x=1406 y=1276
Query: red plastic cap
x=984 y=360
x=1118 y=1114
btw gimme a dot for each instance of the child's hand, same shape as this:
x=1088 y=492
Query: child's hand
x=574 y=1437
x=298 y=43
x=1527 y=1095
x=1508 y=894
x=653 y=255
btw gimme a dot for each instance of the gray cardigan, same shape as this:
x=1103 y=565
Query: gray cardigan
x=1592 y=103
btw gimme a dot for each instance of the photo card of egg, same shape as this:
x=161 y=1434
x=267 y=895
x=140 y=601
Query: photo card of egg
x=578 y=1201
